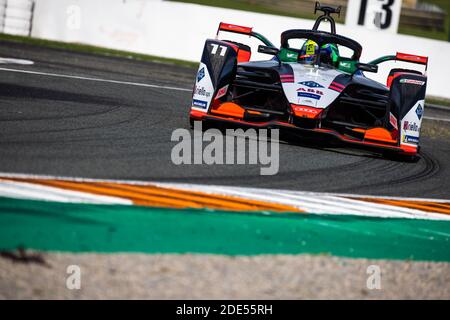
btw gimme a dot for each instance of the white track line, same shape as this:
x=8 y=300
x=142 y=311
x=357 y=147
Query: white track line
x=30 y=191
x=318 y=203
x=311 y=202
x=137 y=84
x=57 y=75
x=15 y=61
x=127 y=83
x=437 y=119
x=207 y=188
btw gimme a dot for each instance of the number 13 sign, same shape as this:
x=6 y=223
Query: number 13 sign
x=382 y=15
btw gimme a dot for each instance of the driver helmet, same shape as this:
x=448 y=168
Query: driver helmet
x=329 y=53
x=309 y=51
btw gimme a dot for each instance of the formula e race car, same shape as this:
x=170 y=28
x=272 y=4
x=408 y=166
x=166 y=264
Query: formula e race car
x=310 y=88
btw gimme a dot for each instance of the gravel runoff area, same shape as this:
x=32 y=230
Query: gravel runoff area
x=133 y=276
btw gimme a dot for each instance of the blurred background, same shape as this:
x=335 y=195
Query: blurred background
x=175 y=31
x=427 y=18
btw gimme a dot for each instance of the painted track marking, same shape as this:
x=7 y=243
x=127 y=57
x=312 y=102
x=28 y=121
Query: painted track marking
x=176 y=195
x=137 y=84
x=149 y=195
x=437 y=119
x=66 y=76
x=15 y=61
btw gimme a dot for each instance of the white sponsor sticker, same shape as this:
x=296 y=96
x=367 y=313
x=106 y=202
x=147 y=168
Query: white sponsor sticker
x=202 y=96
x=411 y=81
x=393 y=120
x=411 y=123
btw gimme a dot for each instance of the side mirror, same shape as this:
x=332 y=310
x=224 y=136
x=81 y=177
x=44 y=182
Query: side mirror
x=268 y=50
x=367 y=67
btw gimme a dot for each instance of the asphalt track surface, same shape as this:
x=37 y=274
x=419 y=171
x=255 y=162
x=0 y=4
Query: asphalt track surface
x=67 y=126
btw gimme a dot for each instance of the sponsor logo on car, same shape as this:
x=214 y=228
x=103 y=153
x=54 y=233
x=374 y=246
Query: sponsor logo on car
x=410 y=126
x=412 y=81
x=199 y=103
x=200 y=74
x=311 y=84
x=410 y=139
x=309 y=95
x=222 y=91
x=393 y=121
x=201 y=91
x=308 y=110
x=419 y=111
x=318 y=92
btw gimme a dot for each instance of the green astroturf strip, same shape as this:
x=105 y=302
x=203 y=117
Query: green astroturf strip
x=117 y=228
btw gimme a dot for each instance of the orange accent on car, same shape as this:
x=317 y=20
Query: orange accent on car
x=196 y=115
x=412 y=58
x=234 y=28
x=408 y=149
x=243 y=55
x=379 y=134
x=391 y=78
x=305 y=111
x=229 y=109
x=404 y=149
x=360 y=130
x=234 y=46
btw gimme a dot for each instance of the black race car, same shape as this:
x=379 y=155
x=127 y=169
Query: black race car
x=310 y=88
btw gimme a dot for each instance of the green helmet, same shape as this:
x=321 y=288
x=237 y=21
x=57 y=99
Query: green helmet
x=329 y=53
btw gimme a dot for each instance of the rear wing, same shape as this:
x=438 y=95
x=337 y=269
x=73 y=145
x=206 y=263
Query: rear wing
x=405 y=57
x=234 y=28
x=412 y=58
